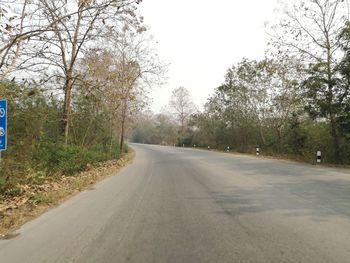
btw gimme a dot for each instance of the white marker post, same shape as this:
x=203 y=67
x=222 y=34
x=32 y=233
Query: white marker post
x=228 y=148
x=318 y=157
x=257 y=151
x=208 y=147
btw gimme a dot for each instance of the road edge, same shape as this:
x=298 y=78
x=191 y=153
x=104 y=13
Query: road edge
x=60 y=190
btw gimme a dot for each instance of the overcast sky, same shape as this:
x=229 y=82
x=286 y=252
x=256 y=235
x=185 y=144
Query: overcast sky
x=201 y=39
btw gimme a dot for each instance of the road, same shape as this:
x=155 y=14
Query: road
x=187 y=205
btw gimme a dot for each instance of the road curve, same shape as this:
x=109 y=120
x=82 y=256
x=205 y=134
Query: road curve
x=187 y=205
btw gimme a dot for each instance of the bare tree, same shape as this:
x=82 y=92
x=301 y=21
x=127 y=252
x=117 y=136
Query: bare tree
x=136 y=67
x=12 y=35
x=123 y=69
x=182 y=105
x=69 y=38
x=21 y=21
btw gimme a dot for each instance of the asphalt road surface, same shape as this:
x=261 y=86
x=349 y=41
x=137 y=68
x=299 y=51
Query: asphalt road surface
x=187 y=205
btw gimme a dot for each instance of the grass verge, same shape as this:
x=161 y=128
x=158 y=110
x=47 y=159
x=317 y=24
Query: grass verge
x=282 y=157
x=36 y=199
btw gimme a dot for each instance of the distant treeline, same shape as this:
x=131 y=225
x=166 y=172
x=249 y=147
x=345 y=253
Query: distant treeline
x=295 y=102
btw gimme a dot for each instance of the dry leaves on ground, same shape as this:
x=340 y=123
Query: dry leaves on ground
x=35 y=199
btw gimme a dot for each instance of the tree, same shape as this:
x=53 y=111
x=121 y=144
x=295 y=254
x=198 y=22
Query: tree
x=154 y=129
x=12 y=27
x=209 y=130
x=295 y=137
x=343 y=117
x=310 y=31
x=259 y=91
x=69 y=37
x=22 y=21
x=122 y=70
x=182 y=105
x=136 y=67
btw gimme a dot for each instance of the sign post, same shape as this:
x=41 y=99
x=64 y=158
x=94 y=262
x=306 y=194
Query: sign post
x=3 y=126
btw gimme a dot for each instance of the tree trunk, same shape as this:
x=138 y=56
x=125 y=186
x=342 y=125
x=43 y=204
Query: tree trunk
x=262 y=134
x=111 y=133
x=182 y=117
x=123 y=126
x=335 y=137
x=67 y=107
x=333 y=122
x=279 y=138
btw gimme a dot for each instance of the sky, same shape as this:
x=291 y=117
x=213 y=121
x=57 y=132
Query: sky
x=201 y=39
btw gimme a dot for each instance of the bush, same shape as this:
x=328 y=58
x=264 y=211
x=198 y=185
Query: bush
x=125 y=148
x=69 y=159
x=35 y=149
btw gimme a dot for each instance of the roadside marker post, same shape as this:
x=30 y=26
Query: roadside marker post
x=208 y=147
x=257 y=151
x=318 y=157
x=228 y=148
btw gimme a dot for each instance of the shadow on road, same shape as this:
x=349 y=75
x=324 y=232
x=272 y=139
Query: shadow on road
x=317 y=199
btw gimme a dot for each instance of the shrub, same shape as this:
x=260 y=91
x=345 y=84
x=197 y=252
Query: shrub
x=69 y=159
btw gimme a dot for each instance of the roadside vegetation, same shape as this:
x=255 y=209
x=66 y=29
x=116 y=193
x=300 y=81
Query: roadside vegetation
x=74 y=74
x=36 y=148
x=37 y=196
x=293 y=103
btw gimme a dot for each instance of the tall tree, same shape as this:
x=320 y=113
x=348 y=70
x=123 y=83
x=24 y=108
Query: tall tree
x=344 y=82
x=136 y=68
x=123 y=69
x=22 y=21
x=182 y=105
x=310 y=31
x=69 y=37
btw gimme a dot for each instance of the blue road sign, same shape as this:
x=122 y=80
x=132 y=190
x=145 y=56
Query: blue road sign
x=3 y=125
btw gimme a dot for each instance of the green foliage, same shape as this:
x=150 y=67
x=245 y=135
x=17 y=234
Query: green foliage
x=274 y=105
x=155 y=129
x=35 y=144
x=185 y=139
x=125 y=149
x=11 y=191
x=295 y=136
x=208 y=131
x=36 y=177
x=41 y=198
x=69 y=159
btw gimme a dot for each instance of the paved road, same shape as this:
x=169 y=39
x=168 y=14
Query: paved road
x=184 y=205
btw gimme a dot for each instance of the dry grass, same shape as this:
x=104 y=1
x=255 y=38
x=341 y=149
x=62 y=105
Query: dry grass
x=283 y=157
x=36 y=199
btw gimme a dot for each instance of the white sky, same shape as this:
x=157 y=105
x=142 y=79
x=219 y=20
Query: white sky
x=202 y=38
